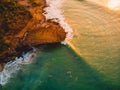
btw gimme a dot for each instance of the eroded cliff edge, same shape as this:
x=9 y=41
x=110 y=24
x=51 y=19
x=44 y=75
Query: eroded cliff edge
x=23 y=25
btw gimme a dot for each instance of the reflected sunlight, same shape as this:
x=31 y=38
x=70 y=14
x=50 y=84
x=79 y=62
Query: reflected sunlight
x=114 y=4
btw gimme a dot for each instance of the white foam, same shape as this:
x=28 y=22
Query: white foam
x=13 y=66
x=54 y=11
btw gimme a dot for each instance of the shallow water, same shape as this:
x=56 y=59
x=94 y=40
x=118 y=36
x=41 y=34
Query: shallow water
x=95 y=66
x=96 y=36
x=58 y=68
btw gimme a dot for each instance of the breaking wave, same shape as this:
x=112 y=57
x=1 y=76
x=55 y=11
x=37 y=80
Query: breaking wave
x=54 y=11
x=13 y=66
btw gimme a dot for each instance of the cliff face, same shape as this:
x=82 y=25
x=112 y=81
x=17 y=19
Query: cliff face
x=50 y=33
x=26 y=26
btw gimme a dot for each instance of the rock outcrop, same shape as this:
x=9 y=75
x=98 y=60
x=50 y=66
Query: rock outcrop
x=38 y=30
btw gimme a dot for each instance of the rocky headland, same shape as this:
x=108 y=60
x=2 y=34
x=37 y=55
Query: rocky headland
x=23 y=26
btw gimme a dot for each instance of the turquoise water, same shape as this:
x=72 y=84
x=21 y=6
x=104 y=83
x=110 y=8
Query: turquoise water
x=95 y=66
x=57 y=67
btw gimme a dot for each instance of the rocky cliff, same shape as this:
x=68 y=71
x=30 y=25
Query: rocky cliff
x=23 y=25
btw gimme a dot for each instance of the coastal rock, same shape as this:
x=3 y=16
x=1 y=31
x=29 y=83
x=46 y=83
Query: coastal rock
x=51 y=32
x=35 y=31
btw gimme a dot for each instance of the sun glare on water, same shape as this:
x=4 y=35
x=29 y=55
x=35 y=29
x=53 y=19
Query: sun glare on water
x=114 y=4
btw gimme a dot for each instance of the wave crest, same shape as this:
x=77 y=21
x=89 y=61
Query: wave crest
x=13 y=66
x=54 y=11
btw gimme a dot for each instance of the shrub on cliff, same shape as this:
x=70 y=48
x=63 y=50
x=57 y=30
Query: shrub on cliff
x=4 y=45
x=1 y=1
x=14 y=16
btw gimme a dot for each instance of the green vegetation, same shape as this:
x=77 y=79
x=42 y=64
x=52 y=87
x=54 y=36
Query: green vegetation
x=34 y=2
x=1 y=1
x=13 y=18
x=4 y=45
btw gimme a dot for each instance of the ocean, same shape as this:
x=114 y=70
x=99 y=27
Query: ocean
x=90 y=61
